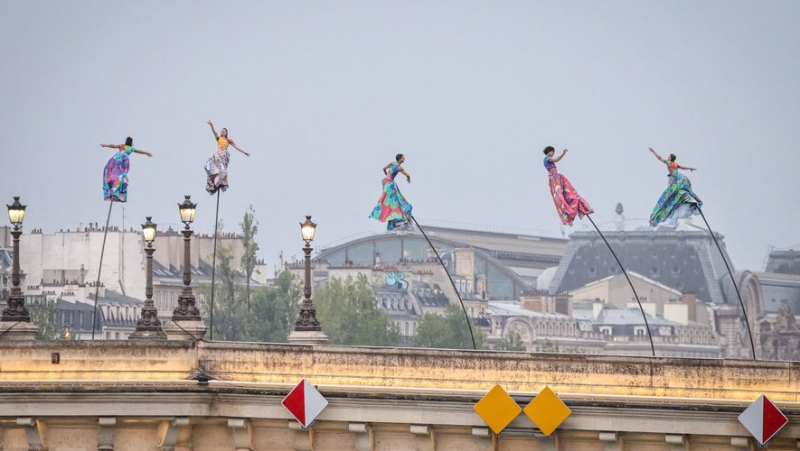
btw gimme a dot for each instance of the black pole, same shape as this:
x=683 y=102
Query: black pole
x=469 y=323
x=100 y=268
x=744 y=311
x=214 y=270
x=644 y=316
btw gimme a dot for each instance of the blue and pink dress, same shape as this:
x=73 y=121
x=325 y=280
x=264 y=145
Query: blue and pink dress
x=392 y=207
x=115 y=175
x=677 y=201
x=568 y=202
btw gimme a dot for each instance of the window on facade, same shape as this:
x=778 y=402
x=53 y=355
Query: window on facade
x=390 y=250
x=416 y=249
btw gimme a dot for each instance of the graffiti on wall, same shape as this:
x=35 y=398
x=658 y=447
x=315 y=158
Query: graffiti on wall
x=395 y=279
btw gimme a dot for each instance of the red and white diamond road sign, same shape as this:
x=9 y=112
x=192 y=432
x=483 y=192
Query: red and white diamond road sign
x=763 y=419
x=304 y=402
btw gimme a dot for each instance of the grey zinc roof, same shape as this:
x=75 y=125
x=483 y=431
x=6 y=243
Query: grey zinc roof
x=684 y=259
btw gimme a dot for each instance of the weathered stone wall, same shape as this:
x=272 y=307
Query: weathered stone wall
x=127 y=395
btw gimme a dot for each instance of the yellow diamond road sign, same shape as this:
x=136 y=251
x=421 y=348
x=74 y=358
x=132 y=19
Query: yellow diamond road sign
x=497 y=409
x=547 y=411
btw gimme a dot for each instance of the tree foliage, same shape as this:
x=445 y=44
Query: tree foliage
x=449 y=331
x=43 y=315
x=249 y=226
x=511 y=342
x=349 y=314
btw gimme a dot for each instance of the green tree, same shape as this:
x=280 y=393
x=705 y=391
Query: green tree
x=511 y=342
x=228 y=308
x=249 y=229
x=349 y=314
x=546 y=345
x=43 y=315
x=449 y=331
x=274 y=310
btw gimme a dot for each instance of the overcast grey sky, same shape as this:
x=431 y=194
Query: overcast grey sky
x=323 y=94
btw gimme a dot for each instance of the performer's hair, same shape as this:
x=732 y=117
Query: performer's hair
x=549 y=149
x=129 y=141
x=672 y=157
x=398 y=157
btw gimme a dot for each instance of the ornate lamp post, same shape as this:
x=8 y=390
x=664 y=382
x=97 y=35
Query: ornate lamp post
x=307 y=322
x=15 y=323
x=148 y=325
x=15 y=310
x=186 y=310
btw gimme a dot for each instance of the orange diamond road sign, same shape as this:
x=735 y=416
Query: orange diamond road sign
x=547 y=411
x=497 y=409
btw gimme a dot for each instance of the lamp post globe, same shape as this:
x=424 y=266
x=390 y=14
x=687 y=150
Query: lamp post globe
x=16 y=212
x=187 y=209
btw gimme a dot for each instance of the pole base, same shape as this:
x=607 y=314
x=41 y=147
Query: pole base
x=185 y=330
x=14 y=331
x=303 y=337
x=148 y=335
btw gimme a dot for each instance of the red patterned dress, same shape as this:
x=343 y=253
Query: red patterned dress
x=568 y=202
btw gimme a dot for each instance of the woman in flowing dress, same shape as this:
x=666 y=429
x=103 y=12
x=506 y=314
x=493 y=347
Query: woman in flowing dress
x=392 y=208
x=678 y=200
x=217 y=166
x=115 y=174
x=569 y=203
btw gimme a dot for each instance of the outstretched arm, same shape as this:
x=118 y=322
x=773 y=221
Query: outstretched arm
x=111 y=146
x=687 y=168
x=657 y=155
x=238 y=148
x=408 y=177
x=216 y=137
x=143 y=152
x=558 y=158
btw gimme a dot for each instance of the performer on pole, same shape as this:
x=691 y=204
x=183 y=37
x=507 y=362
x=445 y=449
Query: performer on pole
x=115 y=175
x=568 y=202
x=392 y=207
x=678 y=200
x=115 y=189
x=217 y=166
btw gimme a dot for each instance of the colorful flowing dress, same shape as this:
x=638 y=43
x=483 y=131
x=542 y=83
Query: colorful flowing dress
x=115 y=175
x=217 y=167
x=568 y=203
x=677 y=201
x=392 y=207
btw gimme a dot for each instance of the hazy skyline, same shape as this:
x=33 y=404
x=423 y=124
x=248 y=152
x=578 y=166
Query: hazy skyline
x=324 y=94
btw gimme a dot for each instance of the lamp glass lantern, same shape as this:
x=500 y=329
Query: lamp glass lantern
x=187 y=209
x=149 y=229
x=16 y=212
x=308 y=230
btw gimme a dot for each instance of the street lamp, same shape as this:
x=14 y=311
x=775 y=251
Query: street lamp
x=15 y=310
x=148 y=326
x=186 y=310
x=307 y=322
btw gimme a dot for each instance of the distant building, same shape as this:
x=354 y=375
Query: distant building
x=117 y=314
x=408 y=280
x=72 y=258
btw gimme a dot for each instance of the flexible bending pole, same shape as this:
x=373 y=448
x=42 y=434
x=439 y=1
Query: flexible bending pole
x=100 y=268
x=469 y=323
x=644 y=316
x=746 y=321
x=214 y=270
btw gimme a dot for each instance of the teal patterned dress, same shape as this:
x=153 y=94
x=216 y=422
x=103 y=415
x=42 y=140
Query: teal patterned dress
x=677 y=201
x=392 y=207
